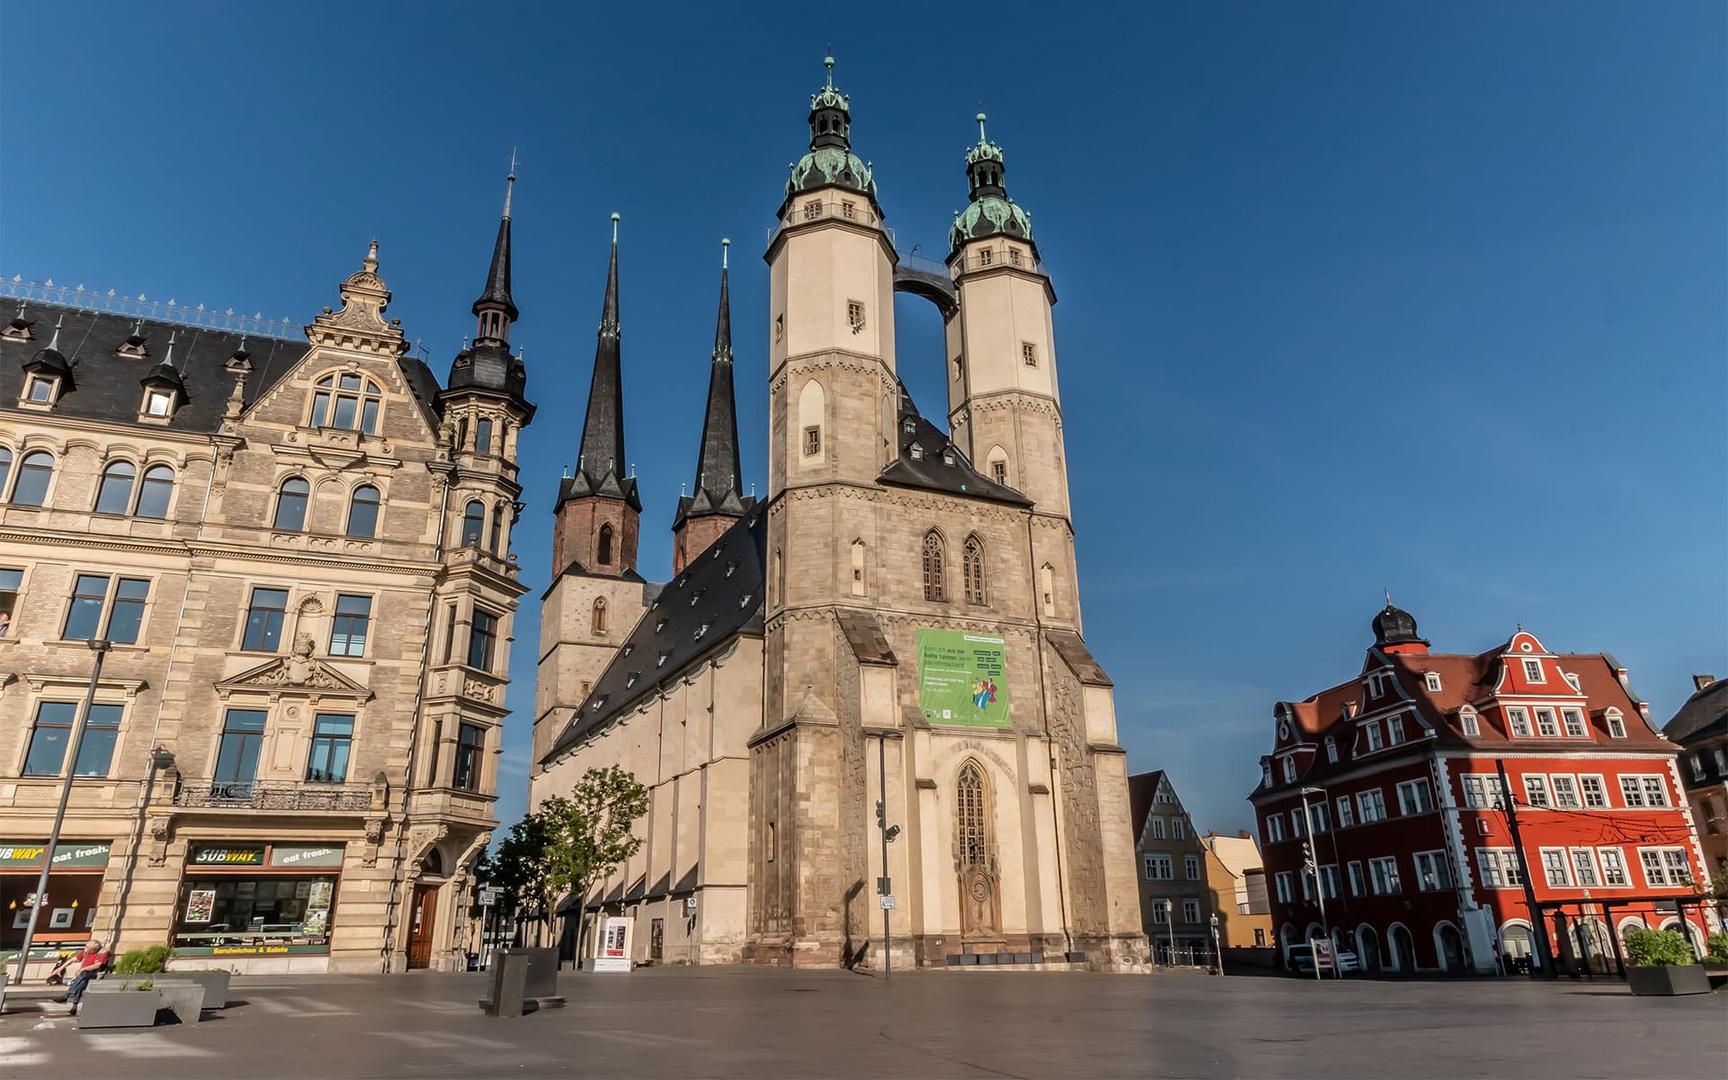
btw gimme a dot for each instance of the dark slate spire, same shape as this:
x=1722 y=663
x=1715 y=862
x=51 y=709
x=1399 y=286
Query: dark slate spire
x=717 y=486
x=495 y=298
x=601 y=469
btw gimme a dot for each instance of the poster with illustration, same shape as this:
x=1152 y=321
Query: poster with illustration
x=962 y=678
x=199 y=905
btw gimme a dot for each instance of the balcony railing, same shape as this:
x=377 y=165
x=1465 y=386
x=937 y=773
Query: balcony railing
x=272 y=795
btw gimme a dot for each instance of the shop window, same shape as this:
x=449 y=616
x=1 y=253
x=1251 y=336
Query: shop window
x=332 y=739
x=237 y=755
x=236 y=910
x=10 y=581
x=291 y=505
x=363 y=512
x=53 y=732
x=473 y=523
x=97 y=612
x=470 y=744
x=347 y=400
x=114 y=493
x=482 y=640
x=154 y=492
x=35 y=470
x=348 y=627
x=264 y=620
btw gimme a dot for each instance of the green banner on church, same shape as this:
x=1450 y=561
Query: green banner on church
x=962 y=678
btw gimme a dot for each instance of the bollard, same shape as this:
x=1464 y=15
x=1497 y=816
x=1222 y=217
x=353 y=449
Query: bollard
x=509 y=982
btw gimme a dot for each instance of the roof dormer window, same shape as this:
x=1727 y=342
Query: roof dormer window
x=1433 y=681
x=346 y=400
x=916 y=451
x=1289 y=769
x=1331 y=750
x=158 y=403
x=1467 y=720
x=41 y=390
x=1533 y=671
x=17 y=328
x=1573 y=682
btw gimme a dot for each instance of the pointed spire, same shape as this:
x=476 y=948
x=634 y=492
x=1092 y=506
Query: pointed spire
x=494 y=307
x=600 y=465
x=717 y=472
x=54 y=342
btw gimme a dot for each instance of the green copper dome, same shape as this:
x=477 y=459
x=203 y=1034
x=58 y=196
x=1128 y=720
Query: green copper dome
x=990 y=212
x=830 y=161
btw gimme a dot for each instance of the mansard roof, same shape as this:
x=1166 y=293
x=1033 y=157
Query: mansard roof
x=106 y=383
x=1481 y=682
x=1705 y=714
x=929 y=460
x=718 y=597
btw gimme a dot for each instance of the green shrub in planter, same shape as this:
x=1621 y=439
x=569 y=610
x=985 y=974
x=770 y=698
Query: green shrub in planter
x=1657 y=948
x=143 y=961
x=1718 y=948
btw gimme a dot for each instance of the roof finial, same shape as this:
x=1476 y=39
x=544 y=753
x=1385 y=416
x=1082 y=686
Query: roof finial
x=1388 y=597
x=615 y=226
x=168 y=360
x=725 y=244
x=54 y=342
x=828 y=62
x=981 y=139
x=510 y=182
x=371 y=262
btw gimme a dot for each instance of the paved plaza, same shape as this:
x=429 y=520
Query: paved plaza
x=767 y=1023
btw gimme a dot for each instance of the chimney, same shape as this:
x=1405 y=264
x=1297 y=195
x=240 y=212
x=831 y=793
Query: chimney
x=1703 y=682
x=1243 y=834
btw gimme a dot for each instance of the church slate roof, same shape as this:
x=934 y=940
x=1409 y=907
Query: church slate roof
x=107 y=386
x=718 y=597
x=929 y=460
x=1704 y=714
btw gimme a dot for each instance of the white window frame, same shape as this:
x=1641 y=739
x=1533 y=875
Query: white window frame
x=1672 y=866
x=1156 y=861
x=1407 y=798
x=1191 y=867
x=1190 y=910
x=1331 y=886
x=1616 y=724
x=1157 y=823
x=1584 y=866
x=1319 y=817
x=1289 y=769
x=1645 y=791
x=1518 y=722
x=1383 y=876
x=1283 y=886
x=1556 y=867
x=1346 y=811
x=1354 y=868
x=1432 y=872
x=1371 y=731
x=1564 y=787
x=1331 y=750
x=1178 y=829
x=1572 y=681
x=1468 y=721
x=1499 y=868
x=1573 y=723
x=1371 y=805
x=1394 y=731
x=1533 y=672
x=1547 y=723
x=1432 y=679
x=1160 y=912
x=1274 y=828
x=1597 y=800
x=1482 y=792
x=1536 y=791
x=1613 y=861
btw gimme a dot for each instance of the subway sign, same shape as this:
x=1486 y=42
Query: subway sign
x=66 y=856
x=228 y=855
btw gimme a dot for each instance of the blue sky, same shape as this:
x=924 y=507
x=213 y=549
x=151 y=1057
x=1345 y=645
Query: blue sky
x=1353 y=296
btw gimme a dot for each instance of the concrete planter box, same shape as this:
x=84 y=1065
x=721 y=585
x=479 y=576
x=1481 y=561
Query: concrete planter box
x=185 y=998
x=118 y=1007
x=213 y=980
x=1668 y=980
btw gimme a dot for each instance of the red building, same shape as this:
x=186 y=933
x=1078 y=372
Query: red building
x=1396 y=774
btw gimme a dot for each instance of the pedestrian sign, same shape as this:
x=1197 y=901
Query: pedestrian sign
x=888 y=903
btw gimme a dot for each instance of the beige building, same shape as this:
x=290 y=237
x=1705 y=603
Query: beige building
x=299 y=552
x=893 y=635
x=1236 y=887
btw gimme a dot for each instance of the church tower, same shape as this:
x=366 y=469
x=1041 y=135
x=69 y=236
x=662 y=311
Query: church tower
x=596 y=594
x=716 y=499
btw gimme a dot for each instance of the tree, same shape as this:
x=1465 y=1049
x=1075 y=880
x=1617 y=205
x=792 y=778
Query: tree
x=523 y=870
x=591 y=830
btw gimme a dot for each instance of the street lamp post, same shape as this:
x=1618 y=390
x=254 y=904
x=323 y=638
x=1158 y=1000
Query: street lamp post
x=1217 y=951
x=100 y=647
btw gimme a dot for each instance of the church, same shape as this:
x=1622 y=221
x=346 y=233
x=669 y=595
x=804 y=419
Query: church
x=863 y=700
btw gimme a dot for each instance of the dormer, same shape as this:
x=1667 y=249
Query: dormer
x=47 y=375
x=136 y=346
x=164 y=390
x=1468 y=722
x=18 y=327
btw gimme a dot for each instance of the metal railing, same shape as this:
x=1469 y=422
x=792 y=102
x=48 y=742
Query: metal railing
x=140 y=307
x=272 y=795
x=802 y=211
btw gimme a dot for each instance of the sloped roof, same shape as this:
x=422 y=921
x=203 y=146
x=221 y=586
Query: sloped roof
x=1703 y=715
x=1238 y=854
x=717 y=597
x=929 y=460
x=1142 y=790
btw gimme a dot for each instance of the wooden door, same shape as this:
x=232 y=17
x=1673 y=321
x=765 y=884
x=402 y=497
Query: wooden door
x=425 y=923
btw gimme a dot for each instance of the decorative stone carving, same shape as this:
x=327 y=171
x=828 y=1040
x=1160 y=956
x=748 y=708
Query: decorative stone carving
x=300 y=670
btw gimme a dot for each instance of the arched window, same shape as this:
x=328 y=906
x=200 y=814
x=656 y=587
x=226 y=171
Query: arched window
x=483 y=436
x=5 y=469
x=973 y=567
x=34 y=472
x=495 y=541
x=291 y=504
x=363 y=512
x=600 y=615
x=346 y=400
x=603 y=547
x=971 y=824
x=114 y=493
x=473 y=522
x=155 y=491
x=858 y=567
x=1047 y=590
x=933 y=559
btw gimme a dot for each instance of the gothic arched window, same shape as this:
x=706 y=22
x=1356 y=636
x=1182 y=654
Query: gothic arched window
x=972 y=564
x=603 y=549
x=363 y=512
x=473 y=522
x=600 y=615
x=933 y=559
x=971 y=824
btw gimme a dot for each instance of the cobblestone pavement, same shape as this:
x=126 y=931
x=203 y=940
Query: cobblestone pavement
x=767 y=1023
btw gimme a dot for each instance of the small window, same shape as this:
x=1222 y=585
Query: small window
x=1331 y=750
x=1574 y=721
x=999 y=472
x=363 y=512
x=40 y=389
x=114 y=493
x=1028 y=354
x=603 y=547
x=1572 y=681
x=264 y=620
x=779 y=327
x=812 y=210
x=470 y=745
x=1616 y=726
x=1467 y=720
x=483 y=435
x=473 y=523
x=482 y=640
x=812 y=440
x=1433 y=680
x=332 y=740
x=1014 y=255
x=848 y=210
x=933 y=559
x=959 y=368
x=855 y=315
x=348 y=400
x=1518 y=721
x=600 y=615
x=858 y=568
x=348 y=627
x=986 y=257
x=11 y=579
x=972 y=565
x=291 y=504
x=916 y=451
x=495 y=538
x=1533 y=671
x=155 y=492
x=35 y=470
x=158 y=403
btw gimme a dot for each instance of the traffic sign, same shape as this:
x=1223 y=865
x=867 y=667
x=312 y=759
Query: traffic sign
x=888 y=903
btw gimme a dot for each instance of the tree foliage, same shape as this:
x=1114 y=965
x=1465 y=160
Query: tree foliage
x=1655 y=948
x=593 y=828
x=522 y=870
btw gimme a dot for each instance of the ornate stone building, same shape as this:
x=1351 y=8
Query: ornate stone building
x=299 y=552
x=893 y=635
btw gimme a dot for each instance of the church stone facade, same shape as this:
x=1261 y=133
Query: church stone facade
x=299 y=552
x=893 y=635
